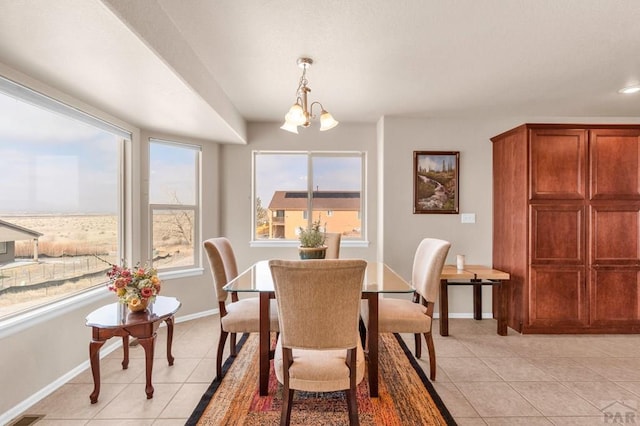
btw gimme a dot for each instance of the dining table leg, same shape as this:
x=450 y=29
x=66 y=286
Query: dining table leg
x=265 y=336
x=372 y=327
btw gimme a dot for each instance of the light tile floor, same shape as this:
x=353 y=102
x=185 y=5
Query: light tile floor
x=483 y=378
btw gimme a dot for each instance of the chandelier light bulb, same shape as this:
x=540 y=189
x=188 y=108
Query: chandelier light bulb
x=296 y=115
x=289 y=127
x=327 y=122
x=300 y=113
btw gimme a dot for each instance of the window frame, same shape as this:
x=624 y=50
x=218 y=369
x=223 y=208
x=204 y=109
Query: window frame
x=196 y=208
x=41 y=312
x=311 y=154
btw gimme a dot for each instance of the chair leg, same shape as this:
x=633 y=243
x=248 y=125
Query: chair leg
x=418 y=339
x=221 y=342
x=352 y=404
x=432 y=355
x=287 y=392
x=287 y=402
x=352 y=401
x=232 y=345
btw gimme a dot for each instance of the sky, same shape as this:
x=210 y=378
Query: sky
x=50 y=163
x=434 y=162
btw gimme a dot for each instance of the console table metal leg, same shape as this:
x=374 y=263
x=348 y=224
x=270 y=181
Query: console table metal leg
x=503 y=308
x=477 y=301
x=444 y=308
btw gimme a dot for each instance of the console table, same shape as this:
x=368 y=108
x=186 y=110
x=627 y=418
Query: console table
x=115 y=319
x=476 y=276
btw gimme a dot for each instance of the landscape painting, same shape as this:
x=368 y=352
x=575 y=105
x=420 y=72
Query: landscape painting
x=435 y=181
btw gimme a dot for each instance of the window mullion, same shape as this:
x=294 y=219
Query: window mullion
x=309 y=190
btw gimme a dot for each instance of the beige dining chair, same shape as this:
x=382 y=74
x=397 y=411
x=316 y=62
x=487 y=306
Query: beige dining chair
x=318 y=349
x=416 y=316
x=239 y=315
x=332 y=241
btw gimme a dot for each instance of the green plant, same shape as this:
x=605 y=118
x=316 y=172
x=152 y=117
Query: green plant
x=312 y=236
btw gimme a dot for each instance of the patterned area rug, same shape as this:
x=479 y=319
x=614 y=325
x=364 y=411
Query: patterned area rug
x=406 y=395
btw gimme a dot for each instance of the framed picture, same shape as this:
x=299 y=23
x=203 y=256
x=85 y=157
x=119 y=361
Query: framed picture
x=435 y=181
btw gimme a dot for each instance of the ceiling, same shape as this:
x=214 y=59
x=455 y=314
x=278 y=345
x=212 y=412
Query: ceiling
x=204 y=68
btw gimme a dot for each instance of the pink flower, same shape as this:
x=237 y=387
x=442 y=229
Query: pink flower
x=146 y=292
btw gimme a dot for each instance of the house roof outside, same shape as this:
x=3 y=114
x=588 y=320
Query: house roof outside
x=322 y=200
x=12 y=232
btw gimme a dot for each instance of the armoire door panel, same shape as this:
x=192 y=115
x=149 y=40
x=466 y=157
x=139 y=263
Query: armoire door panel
x=615 y=296
x=615 y=161
x=557 y=297
x=557 y=163
x=557 y=234
x=615 y=234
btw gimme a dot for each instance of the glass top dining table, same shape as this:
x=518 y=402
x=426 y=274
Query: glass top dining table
x=379 y=278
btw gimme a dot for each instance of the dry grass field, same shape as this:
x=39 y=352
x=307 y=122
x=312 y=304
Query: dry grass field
x=67 y=261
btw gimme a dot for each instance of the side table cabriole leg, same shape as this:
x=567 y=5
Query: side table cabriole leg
x=169 y=322
x=148 y=345
x=125 y=350
x=94 y=357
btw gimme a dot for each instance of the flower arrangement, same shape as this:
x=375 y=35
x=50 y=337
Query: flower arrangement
x=136 y=286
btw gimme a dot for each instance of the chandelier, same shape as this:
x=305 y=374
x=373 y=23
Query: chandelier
x=300 y=113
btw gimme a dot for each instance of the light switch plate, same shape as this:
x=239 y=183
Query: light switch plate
x=468 y=218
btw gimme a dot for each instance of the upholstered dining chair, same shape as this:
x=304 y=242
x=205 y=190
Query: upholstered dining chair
x=332 y=241
x=239 y=315
x=416 y=316
x=318 y=348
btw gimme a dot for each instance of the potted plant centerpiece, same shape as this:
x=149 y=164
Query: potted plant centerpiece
x=312 y=242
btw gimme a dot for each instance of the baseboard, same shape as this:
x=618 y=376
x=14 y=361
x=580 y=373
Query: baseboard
x=466 y=315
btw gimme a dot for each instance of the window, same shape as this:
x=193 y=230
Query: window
x=60 y=205
x=328 y=184
x=174 y=182
x=3 y=247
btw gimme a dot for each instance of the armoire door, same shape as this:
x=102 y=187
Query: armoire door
x=557 y=164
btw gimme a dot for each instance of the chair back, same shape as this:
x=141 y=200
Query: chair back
x=318 y=302
x=332 y=241
x=223 y=264
x=427 y=267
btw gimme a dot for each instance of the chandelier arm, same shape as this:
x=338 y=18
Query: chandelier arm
x=311 y=108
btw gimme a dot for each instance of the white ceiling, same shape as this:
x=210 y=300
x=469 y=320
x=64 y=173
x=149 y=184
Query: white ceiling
x=203 y=68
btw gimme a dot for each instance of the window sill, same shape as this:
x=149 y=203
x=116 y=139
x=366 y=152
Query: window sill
x=289 y=243
x=21 y=321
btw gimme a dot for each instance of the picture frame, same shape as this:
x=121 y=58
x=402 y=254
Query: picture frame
x=436 y=176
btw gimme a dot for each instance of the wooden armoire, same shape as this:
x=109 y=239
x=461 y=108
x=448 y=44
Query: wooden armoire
x=566 y=226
